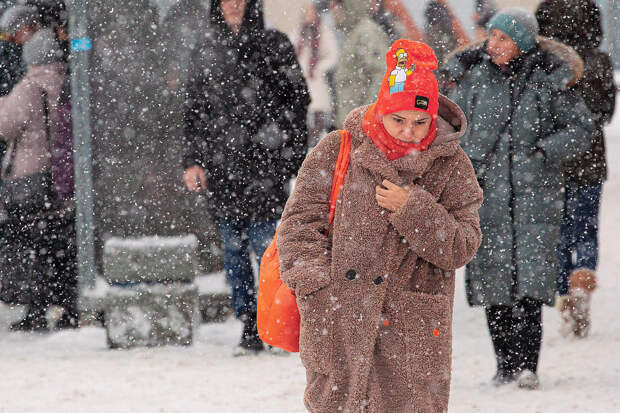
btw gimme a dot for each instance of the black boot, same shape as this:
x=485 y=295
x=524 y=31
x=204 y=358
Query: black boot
x=35 y=320
x=503 y=377
x=250 y=342
x=501 y=329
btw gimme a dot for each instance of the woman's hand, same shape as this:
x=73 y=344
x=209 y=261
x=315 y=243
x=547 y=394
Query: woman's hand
x=391 y=196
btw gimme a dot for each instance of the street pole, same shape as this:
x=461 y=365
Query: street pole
x=80 y=100
x=614 y=40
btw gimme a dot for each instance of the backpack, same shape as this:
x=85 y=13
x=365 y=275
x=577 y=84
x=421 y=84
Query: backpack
x=277 y=312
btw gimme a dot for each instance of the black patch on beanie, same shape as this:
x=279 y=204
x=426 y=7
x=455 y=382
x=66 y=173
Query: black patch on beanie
x=421 y=102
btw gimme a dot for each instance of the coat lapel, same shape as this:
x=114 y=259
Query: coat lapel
x=368 y=156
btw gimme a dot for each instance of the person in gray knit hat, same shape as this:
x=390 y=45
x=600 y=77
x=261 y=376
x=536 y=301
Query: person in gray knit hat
x=42 y=49
x=20 y=23
x=525 y=123
x=512 y=32
x=519 y=24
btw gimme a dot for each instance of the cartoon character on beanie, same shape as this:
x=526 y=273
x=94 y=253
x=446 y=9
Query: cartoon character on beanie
x=419 y=91
x=410 y=66
x=398 y=76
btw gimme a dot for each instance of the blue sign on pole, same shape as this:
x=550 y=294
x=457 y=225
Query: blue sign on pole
x=80 y=45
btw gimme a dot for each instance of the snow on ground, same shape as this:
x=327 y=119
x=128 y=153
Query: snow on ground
x=74 y=371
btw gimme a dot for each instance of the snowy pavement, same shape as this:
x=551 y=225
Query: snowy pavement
x=74 y=371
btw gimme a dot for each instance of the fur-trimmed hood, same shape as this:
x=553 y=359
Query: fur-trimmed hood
x=472 y=54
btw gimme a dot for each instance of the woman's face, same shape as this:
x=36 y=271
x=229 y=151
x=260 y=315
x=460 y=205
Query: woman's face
x=409 y=126
x=501 y=47
x=233 y=12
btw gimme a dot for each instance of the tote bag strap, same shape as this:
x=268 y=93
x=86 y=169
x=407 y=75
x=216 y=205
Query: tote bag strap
x=342 y=165
x=46 y=114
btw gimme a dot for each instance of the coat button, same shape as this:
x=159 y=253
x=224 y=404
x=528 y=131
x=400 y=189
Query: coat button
x=378 y=280
x=351 y=275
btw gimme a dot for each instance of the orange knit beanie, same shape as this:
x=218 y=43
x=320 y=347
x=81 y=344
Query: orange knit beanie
x=409 y=83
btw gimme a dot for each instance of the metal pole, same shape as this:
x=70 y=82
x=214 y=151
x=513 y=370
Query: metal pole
x=80 y=100
x=612 y=35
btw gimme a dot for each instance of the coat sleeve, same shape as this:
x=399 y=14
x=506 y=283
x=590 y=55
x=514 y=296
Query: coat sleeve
x=444 y=232
x=457 y=72
x=196 y=113
x=598 y=87
x=16 y=109
x=303 y=246
x=573 y=127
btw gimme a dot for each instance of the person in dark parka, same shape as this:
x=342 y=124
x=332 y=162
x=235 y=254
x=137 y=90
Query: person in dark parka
x=439 y=30
x=524 y=124
x=246 y=137
x=577 y=23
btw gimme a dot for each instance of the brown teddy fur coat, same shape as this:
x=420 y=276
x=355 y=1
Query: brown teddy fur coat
x=376 y=295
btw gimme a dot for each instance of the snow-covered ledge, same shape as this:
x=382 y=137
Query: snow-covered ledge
x=152 y=299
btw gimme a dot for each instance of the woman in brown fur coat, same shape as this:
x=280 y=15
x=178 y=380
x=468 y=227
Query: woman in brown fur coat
x=376 y=295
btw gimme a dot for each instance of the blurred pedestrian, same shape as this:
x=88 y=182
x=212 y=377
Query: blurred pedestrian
x=361 y=58
x=386 y=20
x=20 y=23
x=11 y=67
x=438 y=29
x=317 y=52
x=577 y=23
x=245 y=127
x=53 y=15
x=35 y=224
x=182 y=26
x=524 y=124
x=375 y=295
x=338 y=15
x=484 y=10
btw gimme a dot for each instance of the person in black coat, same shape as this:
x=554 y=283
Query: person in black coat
x=577 y=23
x=246 y=137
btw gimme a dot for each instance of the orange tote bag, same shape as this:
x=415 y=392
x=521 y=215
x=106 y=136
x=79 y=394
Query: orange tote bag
x=277 y=312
